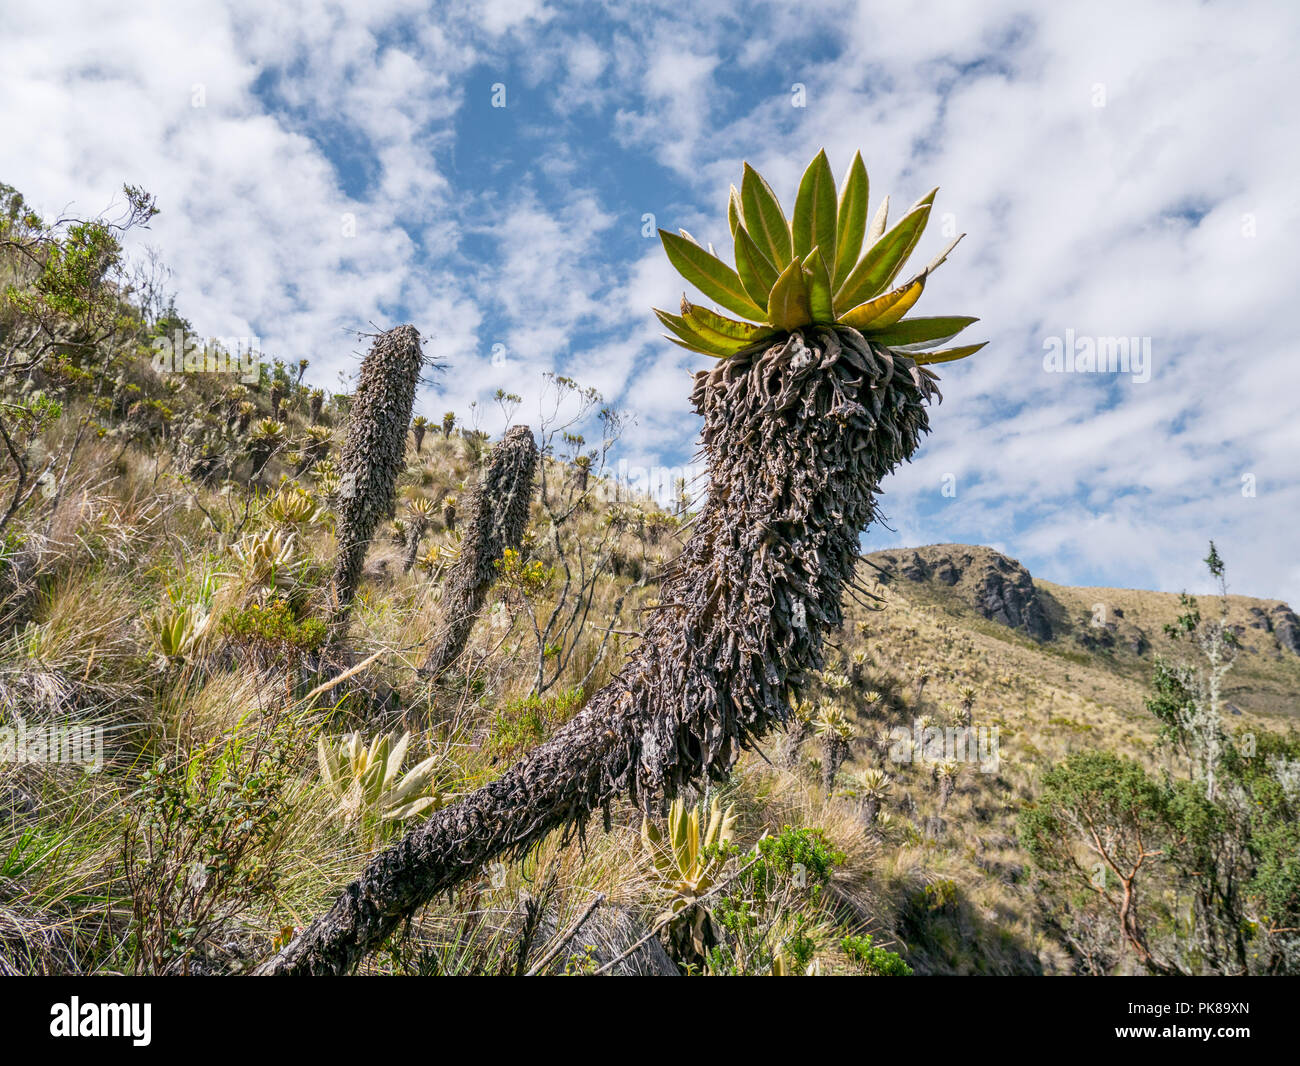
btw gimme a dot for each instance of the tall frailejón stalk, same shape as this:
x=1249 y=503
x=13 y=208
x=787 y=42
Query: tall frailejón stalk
x=801 y=422
x=497 y=517
x=374 y=454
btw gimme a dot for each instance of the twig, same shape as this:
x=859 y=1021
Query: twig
x=568 y=935
x=350 y=672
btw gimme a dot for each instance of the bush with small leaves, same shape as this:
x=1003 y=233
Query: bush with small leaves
x=872 y=961
x=762 y=916
x=202 y=844
x=273 y=630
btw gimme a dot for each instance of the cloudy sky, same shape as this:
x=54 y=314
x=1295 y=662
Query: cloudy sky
x=1121 y=170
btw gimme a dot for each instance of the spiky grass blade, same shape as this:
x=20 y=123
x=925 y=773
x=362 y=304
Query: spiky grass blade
x=788 y=307
x=764 y=218
x=947 y=355
x=815 y=210
x=851 y=220
x=883 y=259
x=709 y=274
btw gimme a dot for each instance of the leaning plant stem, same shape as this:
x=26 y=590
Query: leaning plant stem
x=798 y=437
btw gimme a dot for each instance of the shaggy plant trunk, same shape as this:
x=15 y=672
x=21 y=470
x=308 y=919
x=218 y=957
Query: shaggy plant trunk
x=413 y=537
x=497 y=517
x=795 y=737
x=260 y=454
x=834 y=753
x=797 y=437
x=374 y=453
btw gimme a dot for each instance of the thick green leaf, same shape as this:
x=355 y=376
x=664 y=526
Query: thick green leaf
x=851 y=220
x=917 y=331
x=707 y=323
x=814 y=210
x=709 y=274
x=817 y=278
x=947 y=355
x=878 y=222
x=925 y=201
x=756 y=272
x=764 y=218
x=696 y=340
x=939 y=259
x=885 y=309
x=872 y=274
x=788 y=307
x=733 y=210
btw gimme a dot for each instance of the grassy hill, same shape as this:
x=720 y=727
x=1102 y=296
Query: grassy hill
x=1112 y=635
x=164 y=557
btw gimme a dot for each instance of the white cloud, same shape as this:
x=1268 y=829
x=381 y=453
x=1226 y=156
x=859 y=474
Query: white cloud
x=1169 y=212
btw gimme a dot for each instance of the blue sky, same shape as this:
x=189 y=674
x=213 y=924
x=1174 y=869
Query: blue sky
x=1121 y=170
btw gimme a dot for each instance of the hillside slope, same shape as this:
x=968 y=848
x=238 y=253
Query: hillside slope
x=165 y=548
x=1112 y=631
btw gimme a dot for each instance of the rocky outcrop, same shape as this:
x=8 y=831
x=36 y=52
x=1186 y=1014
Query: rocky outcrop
x=1286 y=627
x=1007 y=595
x=1106 y=629
x=997 y=587
x=1279 y=620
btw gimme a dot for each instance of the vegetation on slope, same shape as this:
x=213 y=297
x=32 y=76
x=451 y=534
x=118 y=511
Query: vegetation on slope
x=167 y=544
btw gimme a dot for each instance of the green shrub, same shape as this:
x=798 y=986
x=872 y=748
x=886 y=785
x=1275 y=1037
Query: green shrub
x=202 y=847
x=523 y=723
x=273 y=627
x=765 y=915
x=873 y=961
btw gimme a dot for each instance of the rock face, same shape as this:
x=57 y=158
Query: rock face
x=1282 y=622
x=1286 y=627
x=1007 y=595
x=1106 y=628
x=999 y=588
